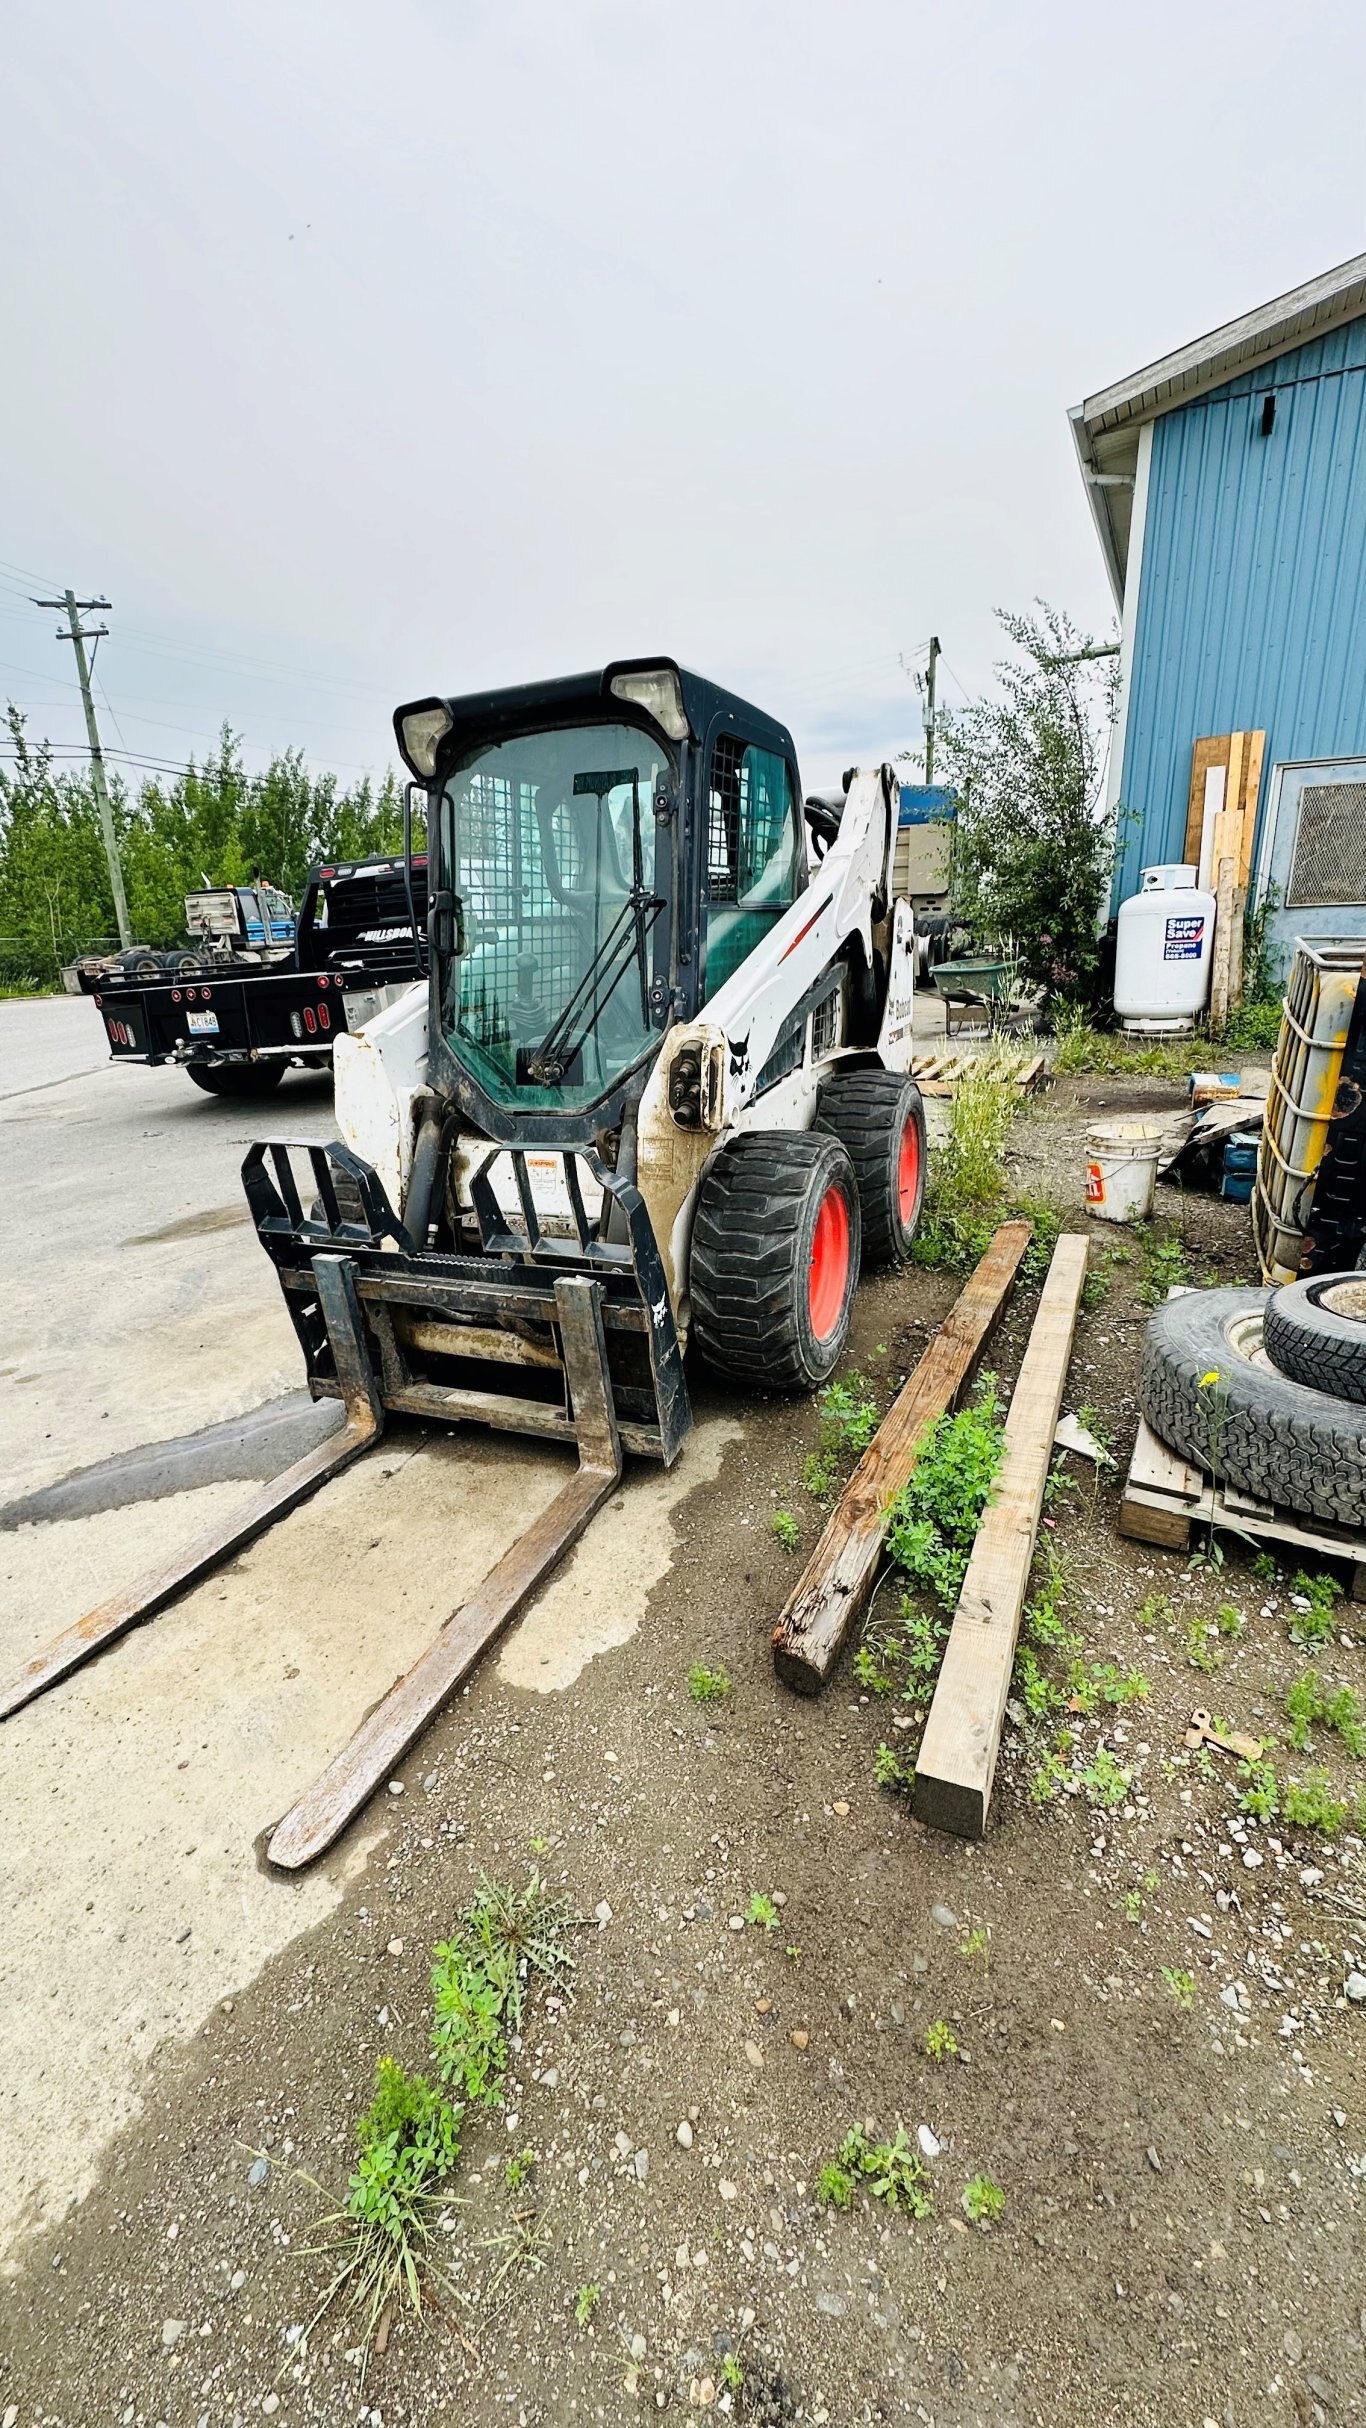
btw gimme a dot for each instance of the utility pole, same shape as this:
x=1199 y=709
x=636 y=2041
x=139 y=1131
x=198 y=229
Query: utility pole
x=929 y=707
x=78 y=635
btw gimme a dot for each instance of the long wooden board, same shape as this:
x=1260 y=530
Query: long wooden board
x=833 y=1589
x=957 y=1759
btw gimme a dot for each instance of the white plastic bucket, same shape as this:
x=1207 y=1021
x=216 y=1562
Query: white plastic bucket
x=1121 y=1171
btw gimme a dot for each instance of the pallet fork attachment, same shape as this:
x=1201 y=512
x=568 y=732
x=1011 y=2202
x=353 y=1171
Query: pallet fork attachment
x=341 y=1276
x=363 y=1425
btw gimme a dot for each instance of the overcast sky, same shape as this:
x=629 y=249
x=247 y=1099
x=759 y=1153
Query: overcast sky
x=358 y=352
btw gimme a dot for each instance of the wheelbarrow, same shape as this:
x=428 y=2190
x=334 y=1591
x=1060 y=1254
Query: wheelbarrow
x=977 y=986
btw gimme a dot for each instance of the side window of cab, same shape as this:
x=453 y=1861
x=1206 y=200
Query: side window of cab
x=753 y=862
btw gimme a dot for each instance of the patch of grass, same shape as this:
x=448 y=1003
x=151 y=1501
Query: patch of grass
x=1261 y=1794
x=1251 y=1028
x=835 y=2187
x=1163 y=1265
x=891 y=1773
x=1104 y=1682
x=931 y=1523
x=785 y=1527
x=1310 y=1803
x=940 y=2041
x=1202 y=1650
x=407 y=2145
x=1308 y=1706
x=708 y=1685
x=984 y=2203
x=819 y=1477
x=1313 y=1602
x=1114 y=1056
x=892 y=2171
x=1105 y=1783
x=480 y=1977
x=585 y=2303
x=1180 y=1984
x=763 y=1913
x=849 y=1417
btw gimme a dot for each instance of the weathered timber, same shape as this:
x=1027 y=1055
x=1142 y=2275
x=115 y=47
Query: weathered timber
x=833 y=1590
x=957 y=1758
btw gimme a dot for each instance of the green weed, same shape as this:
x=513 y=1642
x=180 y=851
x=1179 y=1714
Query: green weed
x=1264 y=1568
x=871 y=1674
x=708 y=1685
x=763 y=1913
x=1156 y=1612
x=892 y=2171
x=819 y=1476
x=1105 y=1783
x=1261 y=1795
x=585 y=2303
x=407 y=2144
x=1202 y=1650
x=1180 y=1984
x=480 y=1977
x=891 y=1772
x=519 y=2170
x=1308 y=1706
x=940 y=2042
x=1313 y=1600
x=1311 y=1804
x=932 y=1522
x=1047 y=1781
x=1163 y=1265
x=835 y=2187
x=984 y=2203
x=848 y=1416
x=1228 y=1620
x=732 y=2375
x=785 y=1527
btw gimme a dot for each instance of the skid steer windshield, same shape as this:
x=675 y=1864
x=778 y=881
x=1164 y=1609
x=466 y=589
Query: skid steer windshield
x=548 y=841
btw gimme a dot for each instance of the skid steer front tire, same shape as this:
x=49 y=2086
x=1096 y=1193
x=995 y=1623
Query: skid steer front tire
x=775 y=1259
x=236 y=1078
x=879 y=1120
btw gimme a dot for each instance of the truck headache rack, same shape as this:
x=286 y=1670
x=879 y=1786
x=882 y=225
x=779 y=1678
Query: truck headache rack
x=585 y=1323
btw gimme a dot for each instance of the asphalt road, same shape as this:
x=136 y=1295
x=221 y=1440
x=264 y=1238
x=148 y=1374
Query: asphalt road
x=147 y=1372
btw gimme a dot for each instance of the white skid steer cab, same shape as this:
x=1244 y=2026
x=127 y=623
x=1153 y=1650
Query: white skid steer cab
x=653 y=1091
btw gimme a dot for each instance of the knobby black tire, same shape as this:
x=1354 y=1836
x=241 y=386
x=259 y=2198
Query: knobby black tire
x=1321 y=1346
x=1251 y=1427
x=868 y=1112
x=236 y=1078
x=749 y=1269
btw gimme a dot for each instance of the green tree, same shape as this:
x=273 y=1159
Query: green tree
x=1034 y=846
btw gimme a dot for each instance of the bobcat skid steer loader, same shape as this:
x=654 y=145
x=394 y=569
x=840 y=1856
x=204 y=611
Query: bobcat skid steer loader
x=653 y=1090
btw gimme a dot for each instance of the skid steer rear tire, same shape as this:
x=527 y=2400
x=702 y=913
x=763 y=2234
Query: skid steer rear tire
x=775 y=1259
x=879 y=1120
x=236 y=1078
x=1208 y=1389
x=1315 y=1331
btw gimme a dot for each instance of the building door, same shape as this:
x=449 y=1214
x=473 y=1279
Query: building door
x=1315 y=854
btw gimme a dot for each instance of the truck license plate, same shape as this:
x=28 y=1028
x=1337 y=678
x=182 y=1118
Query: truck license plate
x=202 y=1024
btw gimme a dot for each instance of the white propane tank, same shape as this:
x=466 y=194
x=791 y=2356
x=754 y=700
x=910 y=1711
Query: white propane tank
x=1163 y=949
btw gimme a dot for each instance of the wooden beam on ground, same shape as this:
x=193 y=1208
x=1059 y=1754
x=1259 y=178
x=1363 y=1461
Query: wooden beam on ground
x=957 y=1758
x=833 y=1590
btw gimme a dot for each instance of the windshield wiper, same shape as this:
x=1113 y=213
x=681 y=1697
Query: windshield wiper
x=554 y=1056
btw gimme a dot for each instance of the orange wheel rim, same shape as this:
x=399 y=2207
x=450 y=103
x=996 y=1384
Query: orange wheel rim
x=829 y=1277
x=908 y=1172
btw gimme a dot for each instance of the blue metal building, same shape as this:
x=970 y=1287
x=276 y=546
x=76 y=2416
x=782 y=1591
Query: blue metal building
x=1228 y=486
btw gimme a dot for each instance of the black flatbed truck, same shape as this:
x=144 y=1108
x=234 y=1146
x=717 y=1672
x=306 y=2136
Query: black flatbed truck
x=356 y=949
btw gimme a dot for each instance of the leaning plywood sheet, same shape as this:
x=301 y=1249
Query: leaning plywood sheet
x=834 y=1586
x=957 y=1758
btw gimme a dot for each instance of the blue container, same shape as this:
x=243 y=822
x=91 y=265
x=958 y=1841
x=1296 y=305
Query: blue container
x=1240 y=1166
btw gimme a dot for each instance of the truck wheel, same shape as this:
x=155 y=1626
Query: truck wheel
x=775 y=1259
x=236 y=1078
x=879 y=1120
x=1315 y=1331
x=1208 y=1389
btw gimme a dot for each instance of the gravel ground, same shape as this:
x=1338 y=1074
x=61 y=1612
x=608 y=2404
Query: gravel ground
x=1182 y=2237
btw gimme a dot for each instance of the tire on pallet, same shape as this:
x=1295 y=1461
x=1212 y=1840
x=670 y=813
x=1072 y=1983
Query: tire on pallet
x=1208 y=1389
x=1315 y=1331
x=236 y=1078
x=879 y=1119
x=775 y=1259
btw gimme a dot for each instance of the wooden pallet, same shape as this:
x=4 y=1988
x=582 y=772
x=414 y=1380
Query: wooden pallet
x=939 y=1074
x=1165 y=1497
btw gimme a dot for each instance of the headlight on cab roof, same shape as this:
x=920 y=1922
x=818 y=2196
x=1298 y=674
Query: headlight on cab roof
x=424 y=730
x=658 y=691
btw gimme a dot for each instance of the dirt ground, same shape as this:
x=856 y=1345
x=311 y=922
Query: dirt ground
x=1182 y=2240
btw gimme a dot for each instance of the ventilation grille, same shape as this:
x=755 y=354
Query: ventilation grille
x=1330 y=847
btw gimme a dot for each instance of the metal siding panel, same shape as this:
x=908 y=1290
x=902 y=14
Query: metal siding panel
x=1252 y=600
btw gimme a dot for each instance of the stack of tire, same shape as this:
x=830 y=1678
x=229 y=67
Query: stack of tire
x=1266 y=1390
